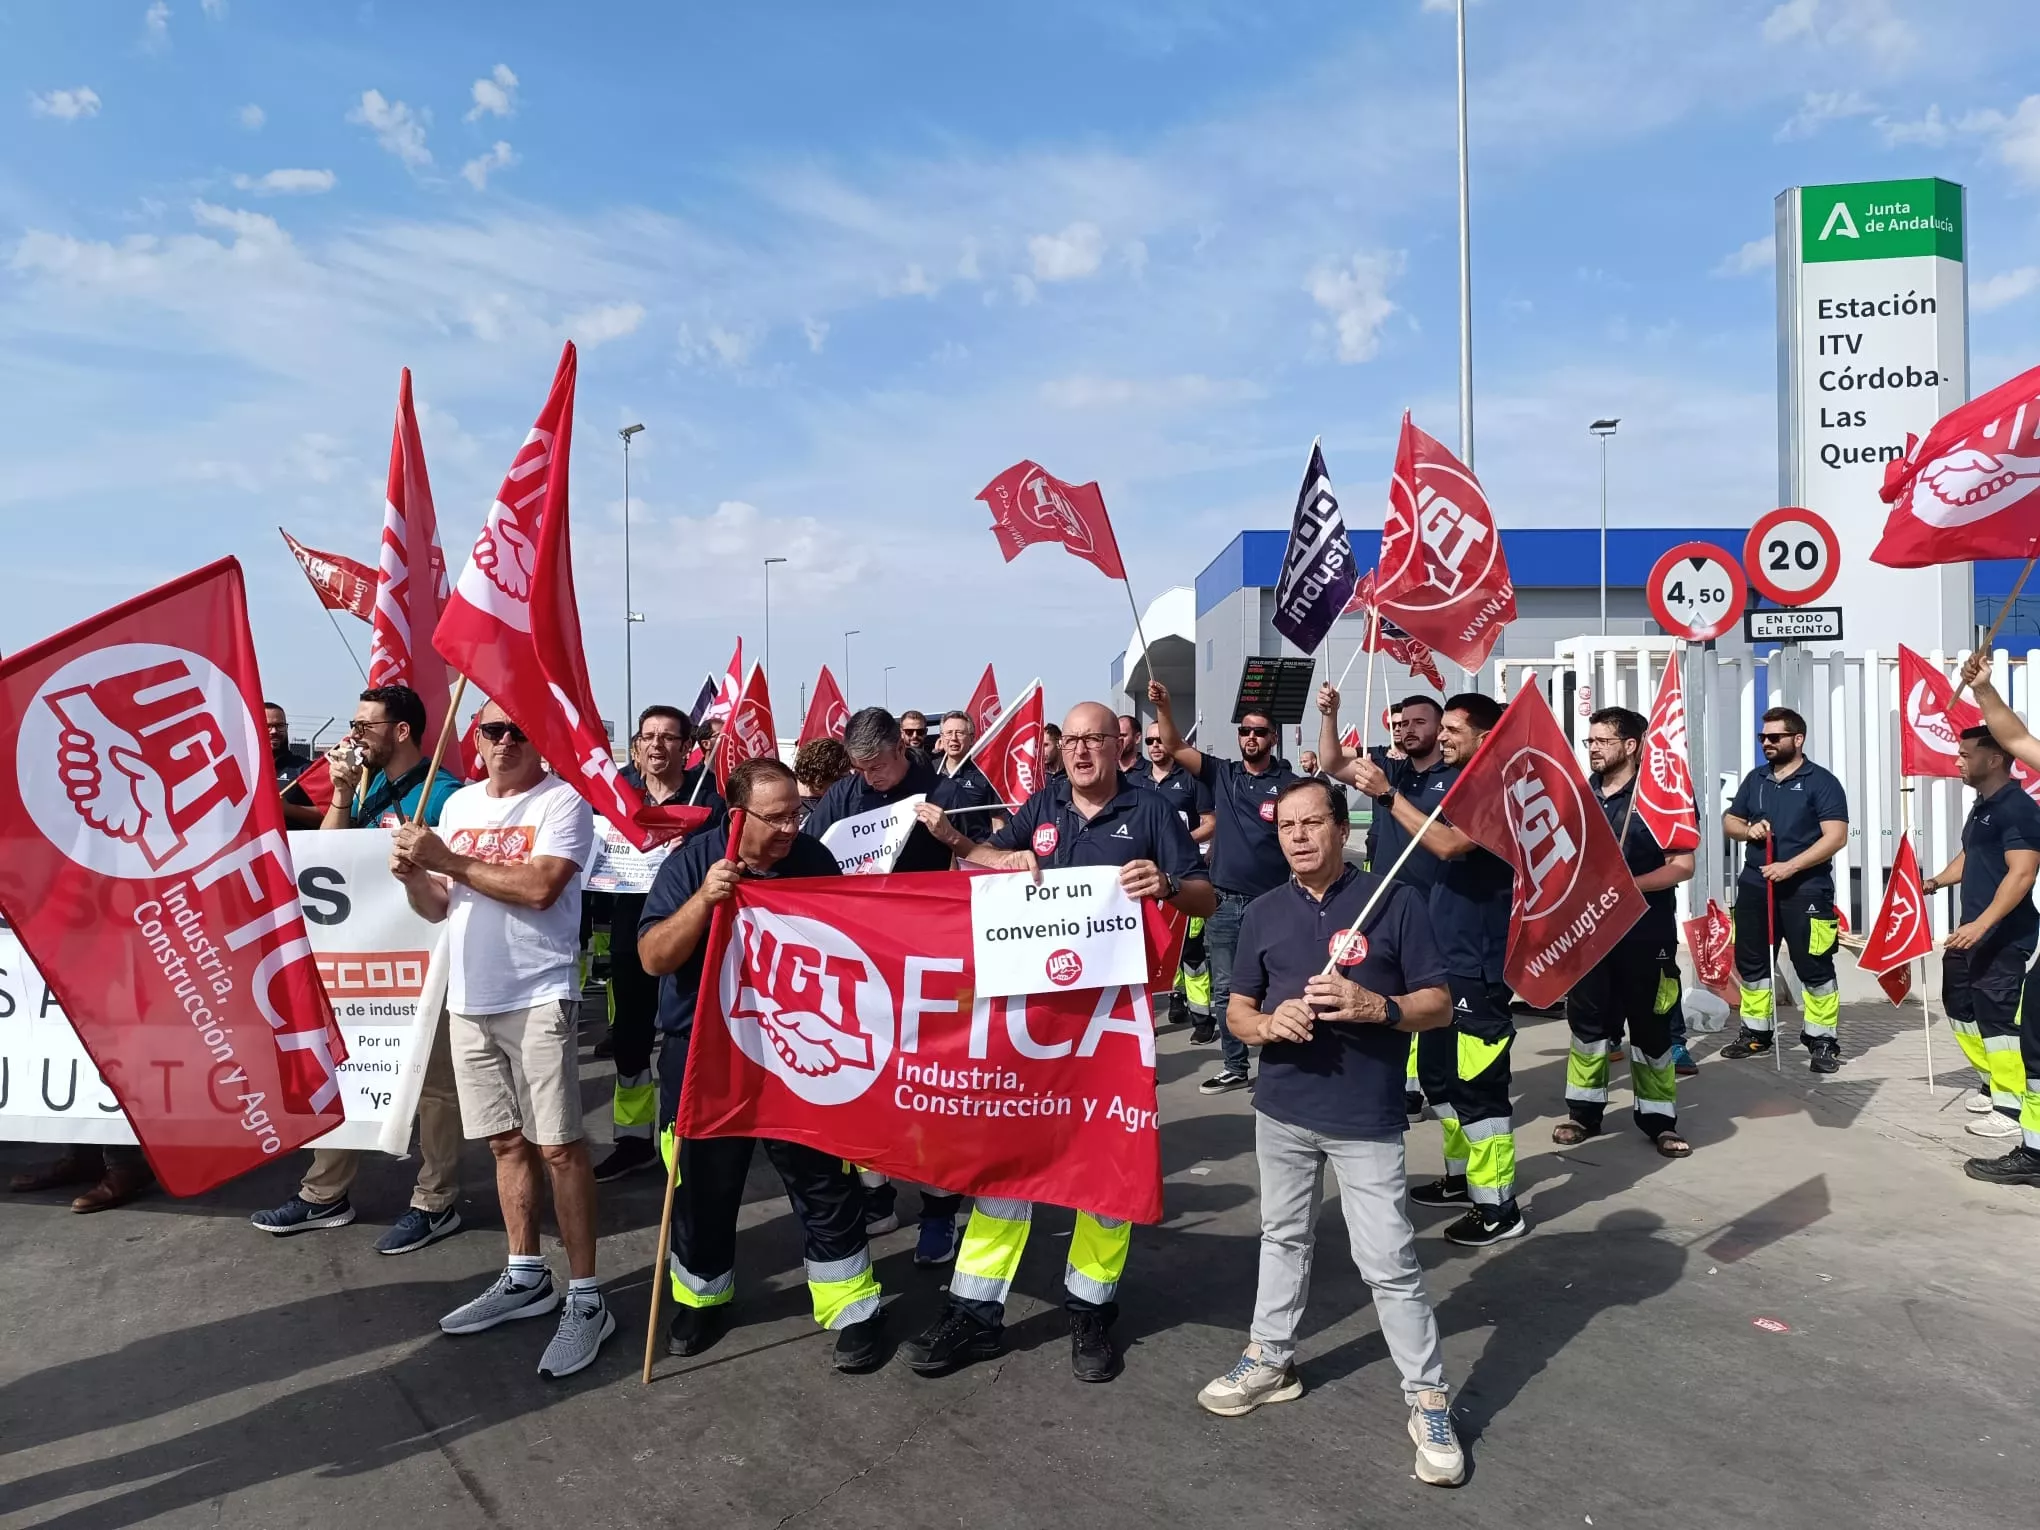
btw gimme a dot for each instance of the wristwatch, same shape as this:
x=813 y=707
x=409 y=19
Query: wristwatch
x=1175 y=885
x=1391 y=1013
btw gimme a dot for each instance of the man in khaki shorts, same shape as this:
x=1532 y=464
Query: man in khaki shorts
x=504 y=871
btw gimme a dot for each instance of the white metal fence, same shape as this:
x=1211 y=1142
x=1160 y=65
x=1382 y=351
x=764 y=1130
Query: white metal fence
x=1852 y=708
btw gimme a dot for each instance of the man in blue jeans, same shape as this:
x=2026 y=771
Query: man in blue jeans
x=1246 y=856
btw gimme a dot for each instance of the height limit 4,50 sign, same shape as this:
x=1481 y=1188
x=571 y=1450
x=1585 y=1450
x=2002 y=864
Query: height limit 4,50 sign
x=1793 y=556
x=1696 y=591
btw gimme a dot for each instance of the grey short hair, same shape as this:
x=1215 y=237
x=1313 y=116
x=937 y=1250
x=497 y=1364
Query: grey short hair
x=871 y=732
x=962 y=717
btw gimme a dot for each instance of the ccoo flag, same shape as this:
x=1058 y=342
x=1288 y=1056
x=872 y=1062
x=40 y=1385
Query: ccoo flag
x=1444 y=577
x=1970 y=488
x=1030 y=504
x=1318 y=574
x=340 y=583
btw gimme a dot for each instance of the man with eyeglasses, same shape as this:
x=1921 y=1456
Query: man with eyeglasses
x=1795 y=818
x=914 y=731
x=1094 y=816
x=1191 y=997
x=504 y=874
x=826 y=1197
x=658 y=769
x=974 y=804
x=1246 y=857
x=386 y=740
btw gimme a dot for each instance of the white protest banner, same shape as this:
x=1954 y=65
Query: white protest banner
x=618 y=866
x=1074 y=928
x=867 y=845
x=373 y=952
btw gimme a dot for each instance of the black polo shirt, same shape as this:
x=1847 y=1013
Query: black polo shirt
x=971 y=799
x=1246 y=857
x=1470 y=905
x=288 y=765
x=852 y=795
x=2005 y=820
x=1181 y=790
x=679 y=879
x=1347 y=1080
x=1425 y=789
x=1136 y=825
x=1641 y=853
x=1795 y=808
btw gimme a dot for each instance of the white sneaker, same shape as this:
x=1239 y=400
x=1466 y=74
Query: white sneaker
x=584 y=1325
x=1440 y=1461
x=1251 y=1382
x=1978 y=1104
x=1993 y=1125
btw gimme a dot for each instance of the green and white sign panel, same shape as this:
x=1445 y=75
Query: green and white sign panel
x=1873 y=343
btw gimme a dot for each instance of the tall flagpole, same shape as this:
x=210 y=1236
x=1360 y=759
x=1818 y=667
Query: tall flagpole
x=1465 y=266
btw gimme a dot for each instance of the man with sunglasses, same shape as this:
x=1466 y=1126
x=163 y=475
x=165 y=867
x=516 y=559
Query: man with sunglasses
x=1246 y=857
x=1795 y=818
x=506 y=879
x=1094 y=816
x=914 y=731
x=1192 y=803
x=386 y=738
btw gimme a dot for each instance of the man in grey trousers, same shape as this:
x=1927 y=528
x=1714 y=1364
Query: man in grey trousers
x=1334 y=1054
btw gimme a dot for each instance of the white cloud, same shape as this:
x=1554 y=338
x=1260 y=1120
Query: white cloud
x=1930 y=131
x=2019 y=141
x=1871 y=25
x=1356 y=296
x=476 y=171
x=2015 y=138
x=156 y=24
x=817 y=331
x=1757 y=255
x=1819 y=108
x=287 y=183
x=65 y=105
x=1190 y=390
x=396 y=127
x=1024 y=290
x=718 y=556
x=915 y=283
x=2005 y=287
x=495 y=96
x=1073 y=253
x=731 y=347
x=611 y=321
x=251 y=117
x=967 y=262
x=252 y=227
x=217 y=9
x=1792 y=19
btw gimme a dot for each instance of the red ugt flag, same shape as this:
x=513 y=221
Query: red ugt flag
x=728 y=689
x=1664 y=781
x=1029 y=505
x=1930 y=720
x=749 y=734
x=1384 y=636
x=1711 y=939
x=828 y=715
x=340 y=583
x=1009 y=752
x=1522 y=797
x=411 y=576
x=1900 y=933
x=512 y=626
x=984 y=706
x=1970 y=488
x=144 y=866
x=1444 y=578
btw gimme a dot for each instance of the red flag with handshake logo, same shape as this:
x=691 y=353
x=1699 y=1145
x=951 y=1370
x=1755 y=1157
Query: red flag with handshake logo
x=144 y=866
x=1900 y=933
x=828 y=715
x=410 y=592
x=1009 y=751
x=841 y=1013
x=1444 y=578
x=1664 y=781
x=983 y=706
x=1523 y=797
x=1029 y=504
x=1970 y=488
x=749 y=734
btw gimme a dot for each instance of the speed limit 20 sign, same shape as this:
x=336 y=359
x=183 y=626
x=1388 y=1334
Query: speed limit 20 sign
x=1792 y=556
x=1696 y=591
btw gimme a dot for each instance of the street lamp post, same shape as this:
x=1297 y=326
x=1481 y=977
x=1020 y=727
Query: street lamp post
x=1465 y=263
x=630 y=617
x=768 y=618
x=853 y=632
x=1604 y=429
x=885 y=681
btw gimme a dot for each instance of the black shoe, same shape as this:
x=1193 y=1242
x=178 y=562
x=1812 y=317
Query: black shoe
x=1748 y=1043
x=1093 y=1355
x=1413 y=1104
x=1824 y=1054
x=1487 y=1224
x=860 y=1347
x=1179 y=1010
x=630 y=1155
x=604 y=1049
x=955 y=1338
x=693 y=1330
x=1203 y=1033
x=1224 y=1081
x=1447 y=1191
x=2021 y=1166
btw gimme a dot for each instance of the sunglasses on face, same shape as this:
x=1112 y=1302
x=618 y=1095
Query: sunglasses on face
x=496 y=732
x=1774 y=738
x=1246 y=732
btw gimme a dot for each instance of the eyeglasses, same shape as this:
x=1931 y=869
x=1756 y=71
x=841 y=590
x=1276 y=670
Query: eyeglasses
x=495 y=733
x=360 y=725
x=1090 y=741
x=785 y=823
x=1151 y=741
x=1773 y=738
x=670 y=740
x=1247 y=732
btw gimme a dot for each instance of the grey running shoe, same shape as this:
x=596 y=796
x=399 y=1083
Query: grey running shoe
x=585 y=1323
x=502 y=1302
x=1251 y=1382
x=1440 y=1461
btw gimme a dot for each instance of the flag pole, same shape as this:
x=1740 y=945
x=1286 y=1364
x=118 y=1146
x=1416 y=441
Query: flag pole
x=1134 y=606
x=1771 y=951
x=979 y=742
x=1622 y=840
x=1989 y=637
x=344 y=643
x=439 y=749
x=1408 y=850
x=1926 y=1010
x=1367 y=717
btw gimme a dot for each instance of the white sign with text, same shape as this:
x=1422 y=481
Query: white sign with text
x=867 y=845
x=1074 y=928
x=618 y=866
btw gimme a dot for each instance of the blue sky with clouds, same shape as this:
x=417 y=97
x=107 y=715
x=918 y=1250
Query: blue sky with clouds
x=847 y=262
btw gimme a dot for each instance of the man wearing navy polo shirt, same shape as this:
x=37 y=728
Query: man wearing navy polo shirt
x=1246 y=859
x=884 y=770
x=1795 y=817
x=973 y=802
x=1091 y=816
x=1331 y=1007
x=1192 y=802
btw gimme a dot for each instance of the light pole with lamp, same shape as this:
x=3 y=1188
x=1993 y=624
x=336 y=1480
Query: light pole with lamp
x=853 y=632
x=1604 y=429
x=768 y=617
x=630 y=617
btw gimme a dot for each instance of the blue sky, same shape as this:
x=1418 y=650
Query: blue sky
x=847 y=262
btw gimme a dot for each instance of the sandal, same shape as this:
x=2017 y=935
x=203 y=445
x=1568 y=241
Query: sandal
x=1672 y=1145
x=1570 y=1133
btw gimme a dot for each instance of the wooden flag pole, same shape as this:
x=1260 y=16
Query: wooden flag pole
x=2004 y=610
x=1926 y=1010
x=1367 y=717
x=439 y=749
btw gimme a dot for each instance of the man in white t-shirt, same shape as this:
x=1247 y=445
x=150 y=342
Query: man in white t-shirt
x=504 y=871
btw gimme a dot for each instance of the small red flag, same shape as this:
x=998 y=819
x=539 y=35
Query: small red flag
x=1030 y=504
x=1384 y=636
x=728 y=689
x=1444 y=578
x=749 y=734
x=1711 y=939
x=1969 y=488
x=828 y=715
x=1009 y=751
x=983 y=706
x=1900 y=932
x=316 y=782
x=1930 y=719
x=340 y=583
x=1664 y=781
x=144 y=866
x=1522 y=796
x=411 y=577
